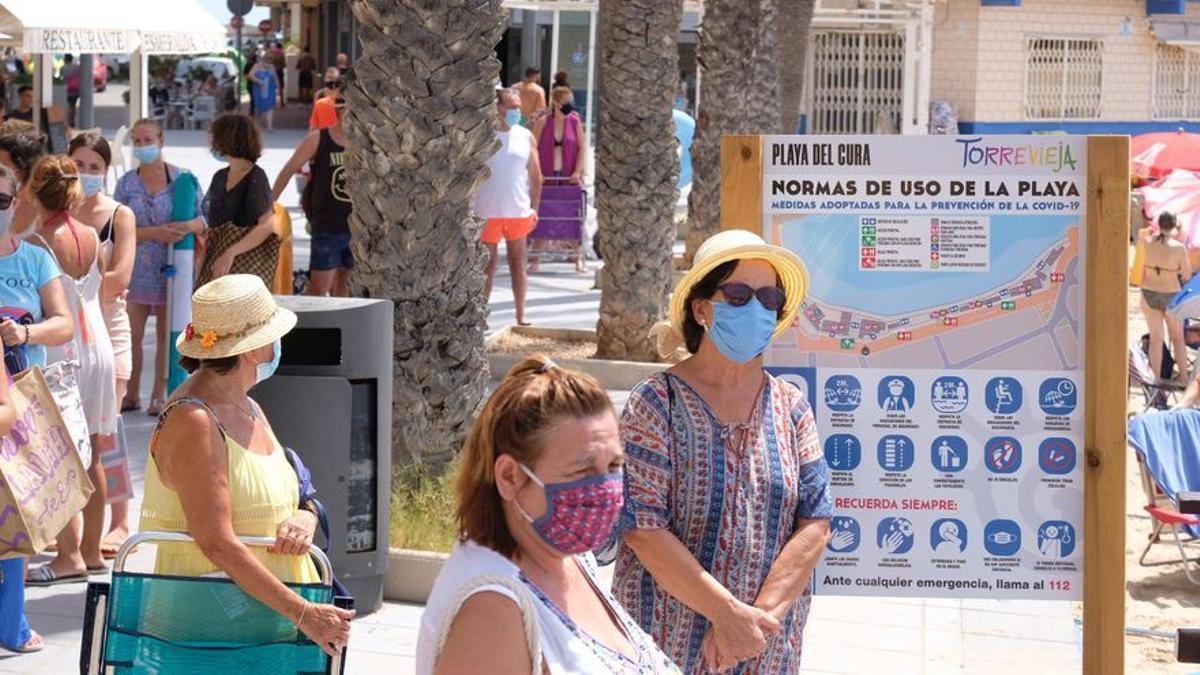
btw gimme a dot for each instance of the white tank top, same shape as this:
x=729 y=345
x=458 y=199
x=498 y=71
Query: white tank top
x=565 y=647
x=505 y=194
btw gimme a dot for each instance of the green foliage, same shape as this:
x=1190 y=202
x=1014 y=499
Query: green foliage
x=422 y=508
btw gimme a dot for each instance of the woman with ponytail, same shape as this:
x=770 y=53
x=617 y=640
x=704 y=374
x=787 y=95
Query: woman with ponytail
x=56 y=186
x=1166 y=269
x=540 y=487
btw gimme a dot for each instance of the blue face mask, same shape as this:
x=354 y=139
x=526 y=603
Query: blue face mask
x=266 y=370
x=146 y=154
x=512 y=117
x=92 y=185
x=742 y=333
x=219 y=156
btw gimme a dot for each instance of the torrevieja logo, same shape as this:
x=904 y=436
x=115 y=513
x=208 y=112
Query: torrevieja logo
x=1055 y=156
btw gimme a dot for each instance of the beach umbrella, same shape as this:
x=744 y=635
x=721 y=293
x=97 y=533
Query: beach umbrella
x=1156 y=155
x=1178 y=193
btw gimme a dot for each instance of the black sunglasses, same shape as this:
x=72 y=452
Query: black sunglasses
x=738 y=294
x=6 y=201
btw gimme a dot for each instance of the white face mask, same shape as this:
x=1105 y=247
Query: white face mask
x=6 y=217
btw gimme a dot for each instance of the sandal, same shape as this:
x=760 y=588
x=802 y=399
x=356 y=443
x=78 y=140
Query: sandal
x=155 y=408
x=45 y=576
x=35 y=643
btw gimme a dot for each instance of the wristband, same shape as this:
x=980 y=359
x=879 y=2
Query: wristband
x=304 y=611
x=26 y=335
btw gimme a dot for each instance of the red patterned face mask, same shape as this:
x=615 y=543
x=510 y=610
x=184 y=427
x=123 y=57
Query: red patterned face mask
x=579 y=515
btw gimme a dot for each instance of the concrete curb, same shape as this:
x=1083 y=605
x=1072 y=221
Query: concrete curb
x=410 y=575
x=612 y=374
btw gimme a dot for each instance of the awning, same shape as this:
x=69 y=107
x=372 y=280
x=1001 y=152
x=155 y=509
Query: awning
x=1177 y=31
x=175 y=27
x=91 y=27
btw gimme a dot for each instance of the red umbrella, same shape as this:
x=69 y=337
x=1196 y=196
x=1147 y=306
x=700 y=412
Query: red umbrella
x=1158 y=154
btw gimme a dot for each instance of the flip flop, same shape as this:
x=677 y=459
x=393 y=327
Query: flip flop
x=44 y=576
x=98 y=571
x=130 y=404
x=29 y=647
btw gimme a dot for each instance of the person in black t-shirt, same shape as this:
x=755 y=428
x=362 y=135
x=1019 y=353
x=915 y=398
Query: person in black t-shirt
x=24 y=109
x=326 y=203
x=239 y=194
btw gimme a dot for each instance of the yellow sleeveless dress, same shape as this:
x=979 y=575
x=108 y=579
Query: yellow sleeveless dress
x=263 y=492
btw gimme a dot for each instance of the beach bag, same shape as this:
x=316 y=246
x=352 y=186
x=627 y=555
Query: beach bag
x=45 y=482
x=1139 y=258
x=115 y=460
x=524 y=603
x=62 y=381
x=308 y=493
x=262 y=261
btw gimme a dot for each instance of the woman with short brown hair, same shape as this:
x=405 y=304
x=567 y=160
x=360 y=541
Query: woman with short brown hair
x=241 y=212
x=540 y=487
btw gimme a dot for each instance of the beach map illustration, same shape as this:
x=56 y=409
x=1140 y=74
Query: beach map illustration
x=1022 y=312
x=940 y=345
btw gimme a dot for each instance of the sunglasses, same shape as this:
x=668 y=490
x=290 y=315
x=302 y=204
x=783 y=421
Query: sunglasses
x=6 y=201
x=738 y=294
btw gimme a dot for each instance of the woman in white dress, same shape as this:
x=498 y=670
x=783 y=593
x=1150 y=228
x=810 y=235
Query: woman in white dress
x=56 y=187
x=117 y=226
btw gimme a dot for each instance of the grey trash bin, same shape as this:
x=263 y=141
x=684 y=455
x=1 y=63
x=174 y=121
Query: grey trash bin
x=331 y=401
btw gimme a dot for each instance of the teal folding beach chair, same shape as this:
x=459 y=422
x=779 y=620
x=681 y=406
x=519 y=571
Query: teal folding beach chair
x=151 y=624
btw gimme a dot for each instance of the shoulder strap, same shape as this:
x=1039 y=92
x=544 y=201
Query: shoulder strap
x=46 y=246
x=524 y=602
x=162 y=417
x=109 y=227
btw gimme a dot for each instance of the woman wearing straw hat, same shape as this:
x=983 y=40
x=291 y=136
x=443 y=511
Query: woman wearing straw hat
x=727 y=497
x=239 y=482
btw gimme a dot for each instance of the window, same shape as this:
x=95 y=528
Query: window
x=1063 y=78
x=857 y=82
x=1176 y=84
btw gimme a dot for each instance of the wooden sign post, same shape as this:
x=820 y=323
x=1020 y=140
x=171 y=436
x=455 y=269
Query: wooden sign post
x=1024 y=174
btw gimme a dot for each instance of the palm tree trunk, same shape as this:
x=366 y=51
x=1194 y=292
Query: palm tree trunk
x=740 y=83
x=764 y=74
x=419 y=124
x=637 y=171
x=795 y=18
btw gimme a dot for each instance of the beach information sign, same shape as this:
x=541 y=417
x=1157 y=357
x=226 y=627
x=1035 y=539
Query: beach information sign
x=942 y=347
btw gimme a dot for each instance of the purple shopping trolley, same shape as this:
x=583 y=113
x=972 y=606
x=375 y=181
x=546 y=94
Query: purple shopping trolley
x=561 y=217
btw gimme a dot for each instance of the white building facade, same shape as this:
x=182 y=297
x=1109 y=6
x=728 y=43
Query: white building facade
x=874 y=66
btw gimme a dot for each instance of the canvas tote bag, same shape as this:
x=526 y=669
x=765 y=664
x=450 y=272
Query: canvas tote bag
x=45 y=482
x=62 y=381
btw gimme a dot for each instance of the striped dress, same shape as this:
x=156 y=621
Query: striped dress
x=734 y=514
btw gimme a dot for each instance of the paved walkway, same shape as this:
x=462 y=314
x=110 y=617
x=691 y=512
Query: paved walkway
x=845 y=635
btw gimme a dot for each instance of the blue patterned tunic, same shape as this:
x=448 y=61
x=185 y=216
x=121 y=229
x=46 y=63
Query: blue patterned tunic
x=734 y=514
